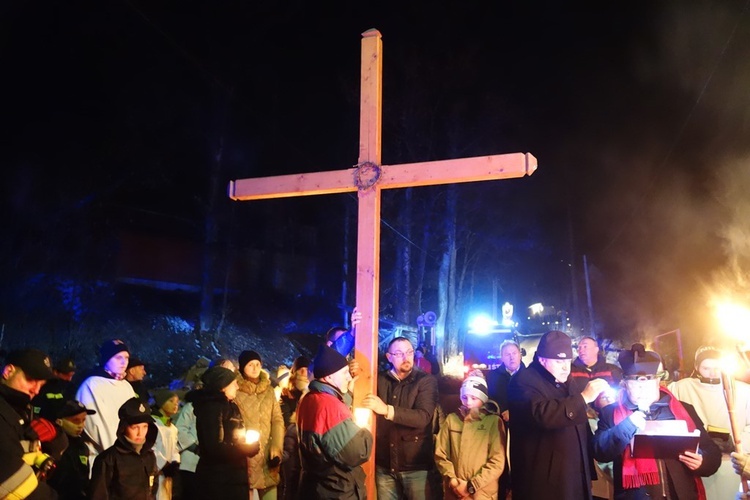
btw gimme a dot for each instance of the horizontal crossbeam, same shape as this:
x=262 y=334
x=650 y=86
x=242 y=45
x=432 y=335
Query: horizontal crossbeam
x=430 y=173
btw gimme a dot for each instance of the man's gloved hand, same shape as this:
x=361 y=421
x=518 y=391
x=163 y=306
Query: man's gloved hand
x=741 y=464
x=54 y=440
x=274 y=462
x=44 y=429
x=171 y=469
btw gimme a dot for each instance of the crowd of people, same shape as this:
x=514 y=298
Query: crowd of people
x=528 y=432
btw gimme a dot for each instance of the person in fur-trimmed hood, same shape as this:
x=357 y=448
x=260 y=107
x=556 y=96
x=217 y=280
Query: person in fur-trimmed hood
x=261 y=412
x=470 y=447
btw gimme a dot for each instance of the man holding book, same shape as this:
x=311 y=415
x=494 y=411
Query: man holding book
x=641 y=401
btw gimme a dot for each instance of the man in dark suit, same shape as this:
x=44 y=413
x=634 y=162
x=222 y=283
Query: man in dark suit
x=549 y=426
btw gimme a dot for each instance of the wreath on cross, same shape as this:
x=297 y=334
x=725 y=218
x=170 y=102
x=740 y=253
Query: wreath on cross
x=366 y=175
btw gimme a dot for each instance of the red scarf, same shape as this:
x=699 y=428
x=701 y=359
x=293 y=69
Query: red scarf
x=638 y=472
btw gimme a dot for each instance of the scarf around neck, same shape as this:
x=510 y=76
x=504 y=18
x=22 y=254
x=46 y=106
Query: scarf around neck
x=638 y=472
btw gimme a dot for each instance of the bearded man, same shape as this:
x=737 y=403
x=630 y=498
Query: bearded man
x=405 y=448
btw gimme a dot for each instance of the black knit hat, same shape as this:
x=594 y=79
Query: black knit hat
x=161 y=396
x=328 y=361
x=300 y=362
x=246 y=357
x=34 y=363
x=555 y=345
x=109 y=349
x=134 y=411
x=133 y=362
x=638 y=362
x=217 y=378
x=706 y=352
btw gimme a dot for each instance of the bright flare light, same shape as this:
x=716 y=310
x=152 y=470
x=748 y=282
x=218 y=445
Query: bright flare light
x=734 y=319
x=730 y=365
x=482 y=324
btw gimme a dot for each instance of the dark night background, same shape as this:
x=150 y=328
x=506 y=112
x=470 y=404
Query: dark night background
x=123 y=121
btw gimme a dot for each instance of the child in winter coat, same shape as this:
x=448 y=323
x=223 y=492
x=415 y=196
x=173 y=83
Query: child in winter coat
x=127 y=470
x=166 y=448
x=470 y=447
x=71 y=476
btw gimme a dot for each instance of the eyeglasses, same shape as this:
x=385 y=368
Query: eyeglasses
x=402 y=355
x=663 y=375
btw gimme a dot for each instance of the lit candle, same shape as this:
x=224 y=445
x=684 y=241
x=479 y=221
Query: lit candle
x=251 y=436
x=362 y=417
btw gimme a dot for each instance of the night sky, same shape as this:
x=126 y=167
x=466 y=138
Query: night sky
x=638 y=112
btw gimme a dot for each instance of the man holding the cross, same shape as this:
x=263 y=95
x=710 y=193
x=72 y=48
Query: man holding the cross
x=405 y=448
x=368 y=179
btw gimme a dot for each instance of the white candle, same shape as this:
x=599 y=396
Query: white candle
x=251 y=436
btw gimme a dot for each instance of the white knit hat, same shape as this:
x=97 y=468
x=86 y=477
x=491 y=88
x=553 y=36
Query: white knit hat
x=475 y=385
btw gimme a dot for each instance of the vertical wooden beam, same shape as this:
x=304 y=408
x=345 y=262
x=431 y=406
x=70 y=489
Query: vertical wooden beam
x=368 y=234
x=371 y=97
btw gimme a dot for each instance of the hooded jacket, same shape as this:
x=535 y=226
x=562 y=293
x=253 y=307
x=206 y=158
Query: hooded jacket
x=120 y=472
x=222 y=468
x=260 y=411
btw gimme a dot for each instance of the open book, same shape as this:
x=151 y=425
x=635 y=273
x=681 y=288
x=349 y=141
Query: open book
x=664 y=439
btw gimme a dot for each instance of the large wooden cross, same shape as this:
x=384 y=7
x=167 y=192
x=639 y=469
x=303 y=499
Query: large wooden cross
x=368 y=179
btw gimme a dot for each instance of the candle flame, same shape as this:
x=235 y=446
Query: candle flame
x=252 y=436
x=362 y=417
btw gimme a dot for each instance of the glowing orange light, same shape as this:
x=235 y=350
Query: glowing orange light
x=734 y=319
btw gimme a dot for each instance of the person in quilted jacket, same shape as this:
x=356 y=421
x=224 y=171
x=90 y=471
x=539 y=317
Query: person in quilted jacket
x=261 y=412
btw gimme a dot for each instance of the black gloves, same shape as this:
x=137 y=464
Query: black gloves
x=274 y=462
x=171 y=469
